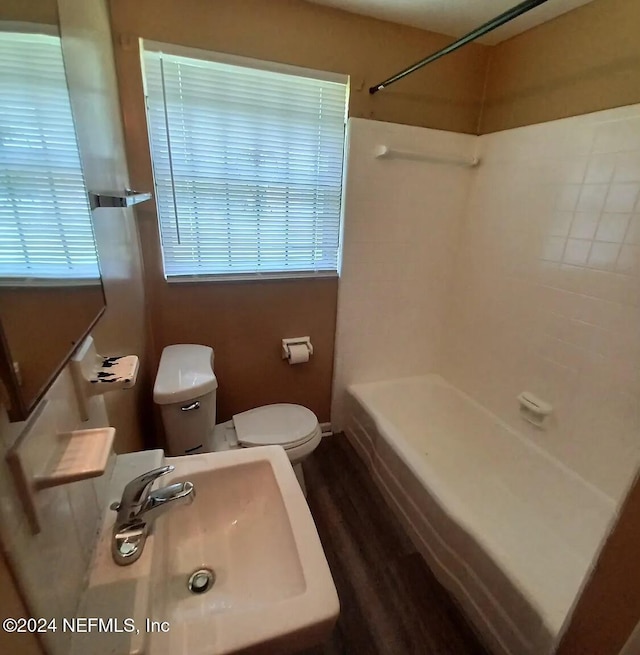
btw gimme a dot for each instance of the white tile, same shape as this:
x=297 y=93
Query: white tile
x=622 y=197
x=617 y=136
x=612 y=227
x=577 y=252
x=600 y=169
x=584 y=225
x=577 y=307
x=544 y=289
x=391 y=294
x=592 y=198
x=633 y=233
x=567 y=197
x=627 y=167
x=629 y=260
x=604 y=255
x=578 y=140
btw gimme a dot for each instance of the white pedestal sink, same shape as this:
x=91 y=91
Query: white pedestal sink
x=250 y=525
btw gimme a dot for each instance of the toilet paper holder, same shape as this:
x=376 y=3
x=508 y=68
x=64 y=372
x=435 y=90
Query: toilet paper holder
x=295 y=341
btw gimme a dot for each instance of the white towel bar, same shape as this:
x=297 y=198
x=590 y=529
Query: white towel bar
x=384 y=152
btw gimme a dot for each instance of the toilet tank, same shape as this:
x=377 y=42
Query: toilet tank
x=185 y=390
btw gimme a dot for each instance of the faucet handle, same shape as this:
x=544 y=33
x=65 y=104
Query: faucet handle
x=172 y=492
x=137 y=490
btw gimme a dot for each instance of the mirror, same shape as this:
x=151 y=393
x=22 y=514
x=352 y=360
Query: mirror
x=51 y=291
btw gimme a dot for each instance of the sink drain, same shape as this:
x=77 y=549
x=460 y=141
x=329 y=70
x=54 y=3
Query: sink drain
x=201 y=581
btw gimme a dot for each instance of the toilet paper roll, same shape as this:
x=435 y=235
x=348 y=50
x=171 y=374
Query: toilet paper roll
x=298 y=354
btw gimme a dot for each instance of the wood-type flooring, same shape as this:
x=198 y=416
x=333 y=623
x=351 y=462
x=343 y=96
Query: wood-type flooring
x=390 y=602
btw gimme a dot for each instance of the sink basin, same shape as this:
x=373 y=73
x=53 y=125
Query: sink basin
x=251 y=526
x=239 y=528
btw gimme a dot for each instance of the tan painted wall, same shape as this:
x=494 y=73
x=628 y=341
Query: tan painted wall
x=34 y=11
x=446 y=95
x=583 y=61
x=245 y=321
x=609 y=607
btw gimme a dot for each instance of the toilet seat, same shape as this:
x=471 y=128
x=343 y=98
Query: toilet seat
x=281 y=424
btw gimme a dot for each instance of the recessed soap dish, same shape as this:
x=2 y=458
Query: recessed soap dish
x=534 y=410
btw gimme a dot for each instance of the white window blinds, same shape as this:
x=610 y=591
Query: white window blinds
x=247 y=165
x=45 y=219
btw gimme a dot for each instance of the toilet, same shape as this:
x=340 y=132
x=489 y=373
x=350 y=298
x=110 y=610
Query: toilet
x=185 y=389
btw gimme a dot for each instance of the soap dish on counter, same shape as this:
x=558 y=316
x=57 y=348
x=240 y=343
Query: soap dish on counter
x=94 y=374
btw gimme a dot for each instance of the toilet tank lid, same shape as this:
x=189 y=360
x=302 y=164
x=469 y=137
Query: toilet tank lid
x=185 y=372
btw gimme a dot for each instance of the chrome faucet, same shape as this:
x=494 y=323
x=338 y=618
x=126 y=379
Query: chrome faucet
x=139 y=508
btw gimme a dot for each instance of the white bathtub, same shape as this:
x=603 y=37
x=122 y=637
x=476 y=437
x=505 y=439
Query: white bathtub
x=506 y=528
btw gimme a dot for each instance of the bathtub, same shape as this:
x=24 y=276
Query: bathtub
x=506 y=528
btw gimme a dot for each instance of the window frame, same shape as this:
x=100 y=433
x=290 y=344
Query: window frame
x=147 y=45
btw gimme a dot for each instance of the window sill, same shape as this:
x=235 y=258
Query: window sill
x=48 y=283
x=250 y=277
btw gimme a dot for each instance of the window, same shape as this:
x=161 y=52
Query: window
x=247 y=163
x=45 y=219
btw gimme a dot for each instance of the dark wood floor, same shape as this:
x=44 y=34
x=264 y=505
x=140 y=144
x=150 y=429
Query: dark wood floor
x=390 y=602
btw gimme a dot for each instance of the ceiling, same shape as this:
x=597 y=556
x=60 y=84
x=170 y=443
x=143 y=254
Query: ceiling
x=455 y=17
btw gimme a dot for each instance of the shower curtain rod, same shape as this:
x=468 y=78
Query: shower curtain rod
x=491 y=25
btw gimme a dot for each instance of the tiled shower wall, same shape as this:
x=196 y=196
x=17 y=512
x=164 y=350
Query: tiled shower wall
x=401 y=222
x=522 y=274
x=546 y=294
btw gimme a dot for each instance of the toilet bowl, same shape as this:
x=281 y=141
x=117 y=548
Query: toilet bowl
x=185 y=389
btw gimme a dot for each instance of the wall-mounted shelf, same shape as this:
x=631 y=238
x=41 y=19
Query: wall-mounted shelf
x=118 y=372
x=126 y=198
x=385 y=152
x=79 y=455
x=94 y=374
x=43 y=458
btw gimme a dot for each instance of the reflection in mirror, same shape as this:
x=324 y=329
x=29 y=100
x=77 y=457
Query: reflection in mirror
x=50 y=287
